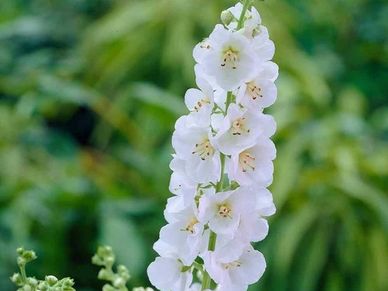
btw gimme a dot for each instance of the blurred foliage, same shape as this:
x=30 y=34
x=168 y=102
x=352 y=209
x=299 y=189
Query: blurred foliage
x=90 y=91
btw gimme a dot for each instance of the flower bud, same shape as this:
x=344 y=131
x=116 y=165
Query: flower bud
x=51 y=280
x=104 y=274
x=226 y=17
x=32 y=281
x=119 y=282
x=123 y=272
x=17 y=279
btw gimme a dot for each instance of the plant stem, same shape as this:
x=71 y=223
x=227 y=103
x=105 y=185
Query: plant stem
x=206 y=282
x=246 y=5
x=23 y=273
x=229 y=97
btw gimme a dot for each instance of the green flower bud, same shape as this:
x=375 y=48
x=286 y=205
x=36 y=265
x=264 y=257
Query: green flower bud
x=51 y=280
x=32 y=282
x=17 y=279
x=226 y=17
x=119 y=282
x=123 y=272
x=104 y=275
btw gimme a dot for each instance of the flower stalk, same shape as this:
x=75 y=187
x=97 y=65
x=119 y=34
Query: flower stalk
x=223 y=162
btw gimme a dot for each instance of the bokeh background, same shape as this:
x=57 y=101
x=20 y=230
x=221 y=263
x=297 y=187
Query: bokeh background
x=90 y=91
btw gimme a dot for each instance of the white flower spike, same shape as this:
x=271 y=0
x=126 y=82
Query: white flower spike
x=223 y=163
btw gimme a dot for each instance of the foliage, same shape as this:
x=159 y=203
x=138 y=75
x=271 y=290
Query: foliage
x=89 y=93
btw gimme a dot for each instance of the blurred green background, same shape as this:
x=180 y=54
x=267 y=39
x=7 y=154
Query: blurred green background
x=90 y=91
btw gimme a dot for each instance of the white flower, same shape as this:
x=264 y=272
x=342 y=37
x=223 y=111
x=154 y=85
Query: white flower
x=264 y=201
x=235 y=80
x=230 y=59
x=181 y=186
x=238 y=273
x=201 y=50
x=200 y=102
x=261 y=91
x=169 y=274
x=240 y=129
x=192 y=144
x=183 y=236
x=252 y=227
x=223 y=210
x=174 y=205
x=254 y=164
x=263 y=46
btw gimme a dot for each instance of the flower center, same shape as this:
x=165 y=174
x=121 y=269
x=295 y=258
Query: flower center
x=232 y=265
x=204 y=149
x=230 y=58
x=190 y=226
x=201 y=103
x=254 y=91
x=246 y=161
x=224 y=211
x=239 y=126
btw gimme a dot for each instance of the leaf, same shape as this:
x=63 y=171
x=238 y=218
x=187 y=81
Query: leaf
x=121 y=234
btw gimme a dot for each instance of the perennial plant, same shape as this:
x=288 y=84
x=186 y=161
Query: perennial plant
x=222 y=164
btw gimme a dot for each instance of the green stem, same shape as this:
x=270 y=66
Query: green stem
x=206 y=282
x=246 y=5
x=220 y=184
x=229 y=98
x=23 y=273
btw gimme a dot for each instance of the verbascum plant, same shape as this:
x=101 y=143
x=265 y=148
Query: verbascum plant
x=222 y=164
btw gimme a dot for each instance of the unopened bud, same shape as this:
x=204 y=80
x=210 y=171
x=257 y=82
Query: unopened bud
x=103 y=274
x=17 y=279
x=51 y=280
x=226 y=17
x=119 y=282
x=32 y=281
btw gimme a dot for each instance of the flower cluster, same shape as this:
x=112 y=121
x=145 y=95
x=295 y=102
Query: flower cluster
x=222 y=164
x=26 y=283
x=105 y=258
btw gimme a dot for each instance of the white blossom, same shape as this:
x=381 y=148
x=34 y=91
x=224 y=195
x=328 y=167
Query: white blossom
x=192 y=144
x=183 y=236
x=223 y=163
x=169 y=274
x=231 y=59
x=223 y=210
x=253 y=164
x=241 y=128
x=261 y=91
x=235 y=273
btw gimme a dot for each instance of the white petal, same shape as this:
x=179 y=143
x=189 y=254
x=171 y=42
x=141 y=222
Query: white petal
x=163 y=272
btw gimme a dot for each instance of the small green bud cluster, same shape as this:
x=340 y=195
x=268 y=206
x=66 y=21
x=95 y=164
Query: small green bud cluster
x=106 y=259
x=50 y=283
